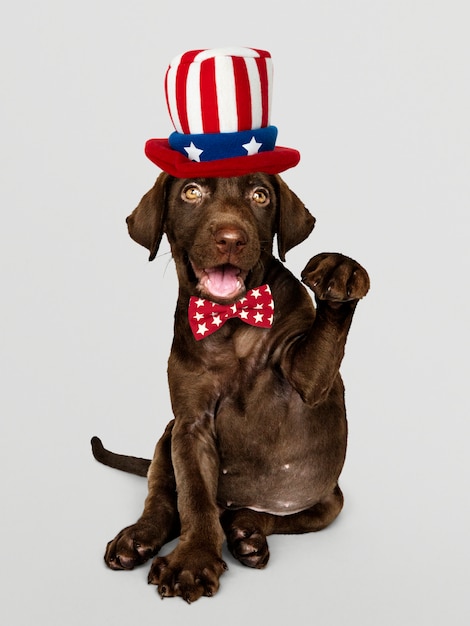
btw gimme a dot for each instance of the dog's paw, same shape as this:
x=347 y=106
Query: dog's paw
x=250 y=547
x=133 y=546
x=187 y=573
x=336 y=278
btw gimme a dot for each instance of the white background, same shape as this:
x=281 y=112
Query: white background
x=375 y=94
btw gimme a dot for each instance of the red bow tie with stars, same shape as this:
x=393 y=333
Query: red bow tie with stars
x=255 y=308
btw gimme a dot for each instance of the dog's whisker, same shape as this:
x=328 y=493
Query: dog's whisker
x=162 y=254
x=167 y=265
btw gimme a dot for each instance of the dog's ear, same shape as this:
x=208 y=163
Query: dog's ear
x=146 y=223
x=295 y=223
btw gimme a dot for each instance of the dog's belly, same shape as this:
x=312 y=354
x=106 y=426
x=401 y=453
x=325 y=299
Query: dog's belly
x=289 y=490
x=282 y=458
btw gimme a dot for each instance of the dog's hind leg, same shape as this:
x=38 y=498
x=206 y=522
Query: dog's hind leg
x=246 y=530
x=159 y=522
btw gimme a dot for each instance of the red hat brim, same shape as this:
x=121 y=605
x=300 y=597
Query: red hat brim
x=176 y=164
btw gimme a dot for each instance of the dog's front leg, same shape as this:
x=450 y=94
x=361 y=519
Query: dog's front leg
x=195 y=565
x=313 y=362
x=158 y=523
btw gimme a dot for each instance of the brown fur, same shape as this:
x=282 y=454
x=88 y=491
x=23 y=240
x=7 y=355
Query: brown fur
x=258 y=438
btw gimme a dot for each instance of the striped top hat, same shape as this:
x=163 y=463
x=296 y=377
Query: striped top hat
x=219 y=102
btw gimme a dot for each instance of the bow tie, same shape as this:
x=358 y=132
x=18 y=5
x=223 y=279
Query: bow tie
x=255 y=308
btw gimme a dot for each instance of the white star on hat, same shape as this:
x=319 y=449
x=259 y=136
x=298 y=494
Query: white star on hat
x=193 y=152
x=252 y=147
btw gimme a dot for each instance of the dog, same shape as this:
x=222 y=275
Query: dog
x=258 y=438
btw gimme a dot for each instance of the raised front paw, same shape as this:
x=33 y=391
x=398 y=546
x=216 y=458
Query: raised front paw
x=336 y=278
x=133 y=546
x=188 y=572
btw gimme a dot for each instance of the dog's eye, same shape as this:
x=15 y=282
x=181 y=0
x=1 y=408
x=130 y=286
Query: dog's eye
x=260 y=196
x=192 y=193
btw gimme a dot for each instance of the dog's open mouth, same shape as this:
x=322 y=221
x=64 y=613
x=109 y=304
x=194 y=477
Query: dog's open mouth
x=224 y=282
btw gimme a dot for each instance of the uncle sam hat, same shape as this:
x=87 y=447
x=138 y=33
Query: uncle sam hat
x=219 y=101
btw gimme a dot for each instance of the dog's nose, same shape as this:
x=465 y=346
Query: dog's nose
x=230 y=240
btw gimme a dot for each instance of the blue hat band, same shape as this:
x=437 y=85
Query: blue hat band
x=216 y=146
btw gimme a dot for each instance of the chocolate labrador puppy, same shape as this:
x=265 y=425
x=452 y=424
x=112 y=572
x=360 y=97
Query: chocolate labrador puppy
x=258 y=438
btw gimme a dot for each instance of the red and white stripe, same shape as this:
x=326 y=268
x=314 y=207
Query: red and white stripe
x=219 y=90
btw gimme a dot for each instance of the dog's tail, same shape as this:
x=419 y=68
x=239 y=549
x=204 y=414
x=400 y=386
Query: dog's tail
x=131 y=464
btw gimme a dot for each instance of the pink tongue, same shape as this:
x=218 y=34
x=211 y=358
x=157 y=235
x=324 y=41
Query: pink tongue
x=222 y=281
